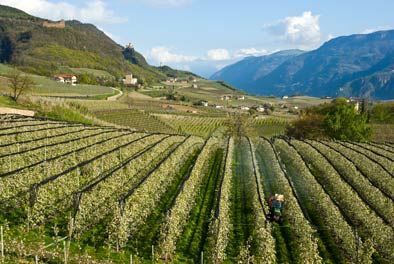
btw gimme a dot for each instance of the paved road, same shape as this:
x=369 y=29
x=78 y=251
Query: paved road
x=7 y=110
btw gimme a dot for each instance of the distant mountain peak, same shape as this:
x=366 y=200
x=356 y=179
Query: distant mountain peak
x=354 y=65
x=244 y=72
x=290 y=52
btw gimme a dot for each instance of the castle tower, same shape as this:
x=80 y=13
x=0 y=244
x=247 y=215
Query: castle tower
x=130 y=46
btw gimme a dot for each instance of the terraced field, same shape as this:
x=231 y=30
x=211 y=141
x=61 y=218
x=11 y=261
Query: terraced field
x=91 y=194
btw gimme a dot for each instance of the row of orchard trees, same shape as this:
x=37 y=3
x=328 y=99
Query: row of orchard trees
x=98 y=174
x=119 y=178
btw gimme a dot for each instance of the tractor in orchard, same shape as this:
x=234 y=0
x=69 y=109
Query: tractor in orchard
x=276 y=204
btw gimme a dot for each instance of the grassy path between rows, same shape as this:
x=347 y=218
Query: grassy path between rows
x=287 y=249
x=142 y=242
x=194 y=237
x=241 y=202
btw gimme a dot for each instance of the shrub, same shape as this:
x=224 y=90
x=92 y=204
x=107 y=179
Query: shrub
x=337 y=120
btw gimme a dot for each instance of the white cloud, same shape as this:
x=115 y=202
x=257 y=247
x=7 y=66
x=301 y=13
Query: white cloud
x=218 y=54
x=379 y=28
x=302 y=30
x=250 y=52
x=94 y=11
x=205 y=66
x=330 y=37
x=163 y=54
x=214 y=60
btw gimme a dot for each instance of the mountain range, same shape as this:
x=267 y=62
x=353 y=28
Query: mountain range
x=250 y=69
x=360 y=65
x=45 y=47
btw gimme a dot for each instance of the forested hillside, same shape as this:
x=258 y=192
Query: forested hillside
x=26 y=43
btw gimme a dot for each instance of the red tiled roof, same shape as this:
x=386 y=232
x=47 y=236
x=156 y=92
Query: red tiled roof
x=65 y=75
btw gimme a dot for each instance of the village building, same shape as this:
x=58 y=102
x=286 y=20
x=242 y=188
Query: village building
x=171 y=80
x=204 y=103
x=66 y=78
x=129 y=80
x=260 y=109
x=241 y=97
x=283 y=106
x=246 y=108
x=285 y=97
x=195 y=86
x=219 y=106
x=225 y=97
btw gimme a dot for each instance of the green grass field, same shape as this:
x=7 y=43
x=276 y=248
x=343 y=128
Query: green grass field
x=7 y=102
x=94 y=72
x=46 y=86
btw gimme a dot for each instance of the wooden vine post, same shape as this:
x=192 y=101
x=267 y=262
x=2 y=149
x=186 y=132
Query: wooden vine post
x=2 y=243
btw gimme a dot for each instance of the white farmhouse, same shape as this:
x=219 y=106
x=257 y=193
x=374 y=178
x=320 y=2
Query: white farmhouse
x=66 y=78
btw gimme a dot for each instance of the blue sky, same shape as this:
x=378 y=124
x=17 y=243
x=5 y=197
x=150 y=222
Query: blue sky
x=205 y=35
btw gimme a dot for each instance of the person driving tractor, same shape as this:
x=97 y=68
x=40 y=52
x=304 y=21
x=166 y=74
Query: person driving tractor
x=276 y=204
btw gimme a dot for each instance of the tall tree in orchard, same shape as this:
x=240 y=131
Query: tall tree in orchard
x=19 y=84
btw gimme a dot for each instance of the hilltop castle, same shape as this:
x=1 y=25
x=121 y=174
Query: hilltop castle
x=130 y=46
x=60 y=24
